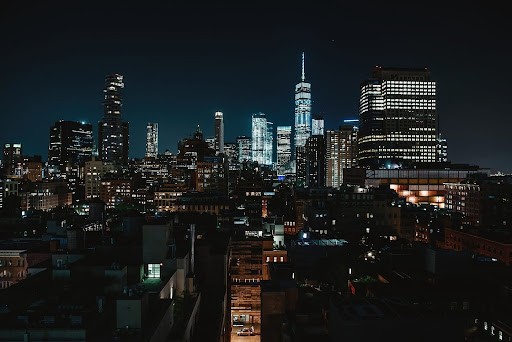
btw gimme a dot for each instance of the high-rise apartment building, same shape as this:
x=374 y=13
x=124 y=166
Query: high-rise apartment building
x=152 y=140
x=71 y=143
x=398 y=118
x=341 y=152
x=284 y=148
x=12 y=159
x=219 y=133
x=302 y=109
x=113 y=133
x=317 y=125
x=244 y=148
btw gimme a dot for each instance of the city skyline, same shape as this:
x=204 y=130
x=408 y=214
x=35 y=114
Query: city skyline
x=244 y=172
x=254 y=71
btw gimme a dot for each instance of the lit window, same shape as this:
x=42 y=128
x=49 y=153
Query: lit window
x=153 y=270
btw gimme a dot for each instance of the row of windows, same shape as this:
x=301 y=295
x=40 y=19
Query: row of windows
x=17 y=262
x=281 y=259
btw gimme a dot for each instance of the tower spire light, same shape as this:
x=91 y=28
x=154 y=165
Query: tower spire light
x=303 y=70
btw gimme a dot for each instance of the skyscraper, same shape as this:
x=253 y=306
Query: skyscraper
x=259 y=138
x=341 y=152
x=269 y=144
x=152 y=140
x=284 y=148
x=315 y=161
x=71 y=143
x=12 y=159
x=219 y=133
x=244 y=148
x=113 y=133
x=317 y=125
x=397 y=118
x=301 y=167
x=302 y=109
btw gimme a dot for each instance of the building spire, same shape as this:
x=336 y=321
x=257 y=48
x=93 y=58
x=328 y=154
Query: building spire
x=303 y=78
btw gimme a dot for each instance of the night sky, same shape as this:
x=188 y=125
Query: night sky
x=182 y=63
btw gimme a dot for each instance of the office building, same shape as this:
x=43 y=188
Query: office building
x=219 y=133
x=116 y=191
x=244 y=148
x=317 y=125
x=32 y=168
x=231 y=153
x=151 y=140
x=302 y=109
x=284 y=148
x=341 y=153
x=192 y=150
x=262 y=139
x=211 y=175
x=13 y=157
x=269 y=144
x=315 y=161
x=71 y=143
x=95 y=170
x=423 y=185
x=398 y=118
x=113 y=133
x=300 y=167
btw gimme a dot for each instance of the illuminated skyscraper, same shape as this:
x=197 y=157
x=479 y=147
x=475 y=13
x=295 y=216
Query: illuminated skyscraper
x=151 y=140
x=71 y=143
x=244 y=148
x=262 y=139
x=302 y=110
x=341 y=152
x=113 y=133
x=398 y=118
x=284 y=148
x=269 y=144
x=219 y=133
x=317 y=125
